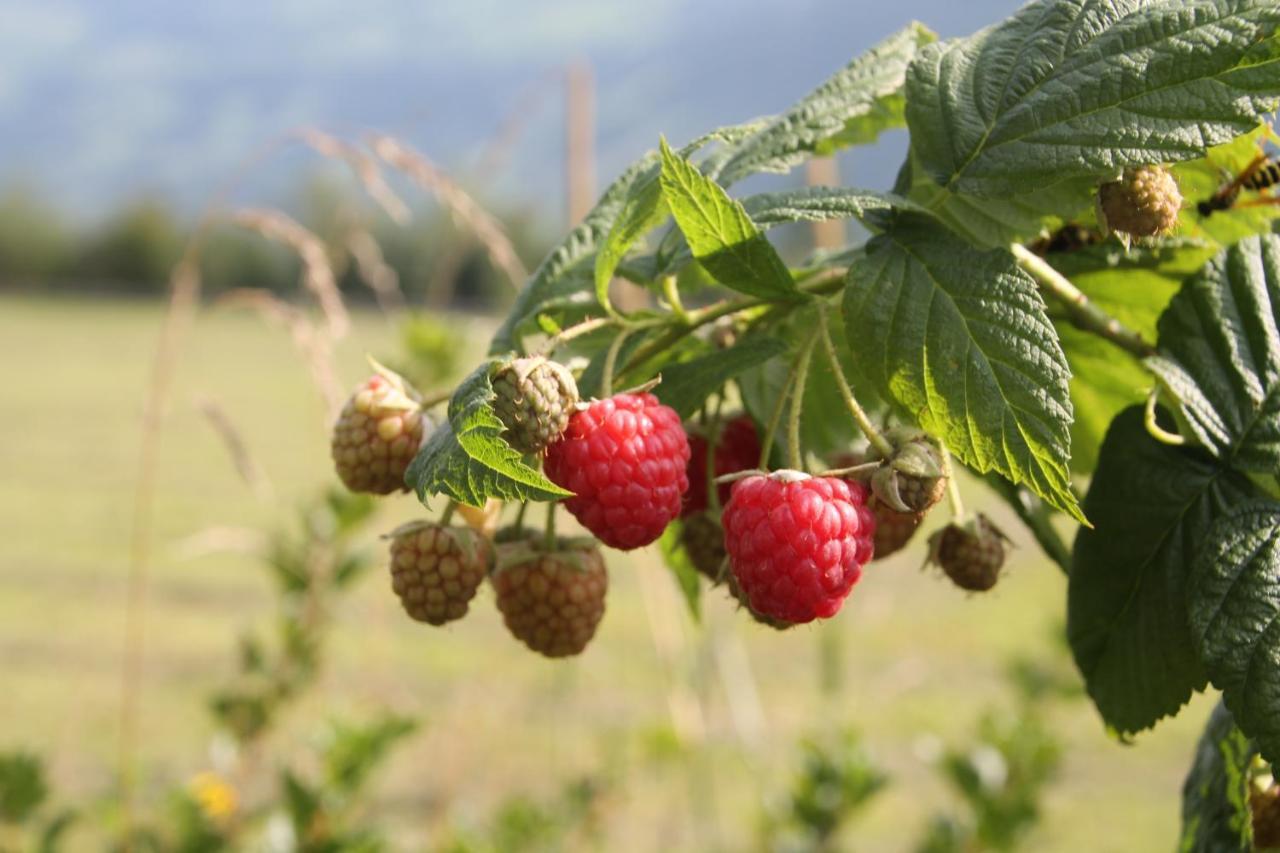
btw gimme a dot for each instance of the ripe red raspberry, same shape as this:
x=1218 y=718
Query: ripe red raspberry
x=377 y=435
x=797 y=544
x=971 y=554
x=624 y=459
x=436 y=570
x=893 y=529
x=737 y=449
x=1143 y=203
x=551 y=601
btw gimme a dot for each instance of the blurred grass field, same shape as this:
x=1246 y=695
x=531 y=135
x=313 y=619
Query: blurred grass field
x=663 y=706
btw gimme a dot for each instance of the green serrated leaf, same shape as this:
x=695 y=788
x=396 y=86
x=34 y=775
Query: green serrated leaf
x=1234 y=607
x=1134 y=287
x=816 y=204
x=687 y=385
x=1038 y=516
x=466 y=457
x=1151 y=505
x=720 y=234
x=1072 y=88
x=958 y=338
x=1215 y=795
x=1220 y=354
x=853 y=106
x=645 y=209
x=682 y=569
x=566 y=277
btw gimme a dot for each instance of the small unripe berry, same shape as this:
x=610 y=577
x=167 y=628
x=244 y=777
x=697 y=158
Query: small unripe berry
x=376 y=436
x=971 y=554
x=551 y=600
x=1143 y=203
x=436 y=570
x=534 y=398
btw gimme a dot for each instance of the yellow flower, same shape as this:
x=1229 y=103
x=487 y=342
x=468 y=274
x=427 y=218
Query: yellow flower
x=214 y=795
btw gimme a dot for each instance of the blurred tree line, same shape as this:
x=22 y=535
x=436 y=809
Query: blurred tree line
x=132 y=250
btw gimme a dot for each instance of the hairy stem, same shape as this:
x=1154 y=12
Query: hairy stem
x=878 y=441
x=611 y=361
x=586 y=327
x=447 y=515
x=1080 y=310
x=794 y=457
x=672 y=294
x=550 y=538
x=819 y=285
x=953 y=488
x=519 y=521
x=1154 y=429
x=775 y=418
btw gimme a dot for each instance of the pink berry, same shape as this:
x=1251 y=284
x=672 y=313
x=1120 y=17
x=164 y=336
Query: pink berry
x=624 y=459
x=797 y=544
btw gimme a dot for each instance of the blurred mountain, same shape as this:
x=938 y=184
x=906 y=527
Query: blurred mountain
x=106 y=101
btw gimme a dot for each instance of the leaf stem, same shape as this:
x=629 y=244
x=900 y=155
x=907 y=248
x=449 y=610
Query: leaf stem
x=1082 y=312
x=775 y=418
x=565 y=335
x=819 y=285
x=519 y=521
x=435 y=400
x=878 y=441
x=795 y=458
x=447 y=515
x=953 y=488
x=1156 y=431
x=672 y=294
x=611 y=361
x=550 y=537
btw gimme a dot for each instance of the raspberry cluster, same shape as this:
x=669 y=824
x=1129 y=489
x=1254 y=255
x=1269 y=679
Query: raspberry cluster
x=797 y=544
x=624 y=458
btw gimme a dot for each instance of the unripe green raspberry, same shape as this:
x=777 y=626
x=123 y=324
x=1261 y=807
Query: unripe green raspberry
x=1143 y=203
x=377 y=435
x=971 y=554
x=1265 y=808
x=551 y=599
x=534 y=399
x=436 y=570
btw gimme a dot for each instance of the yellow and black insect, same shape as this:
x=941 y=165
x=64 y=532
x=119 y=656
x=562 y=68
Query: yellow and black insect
x=1262 y=173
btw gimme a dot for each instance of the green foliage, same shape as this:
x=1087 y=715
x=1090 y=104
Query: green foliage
x=1151 y=506
x=1234 y=601
x=682 y=568
x=1057 y=91
x=721 y=235
x=958 y=338
x=687 y=385
x=1215 y=795
x=467 y=459
x=22 y=786
x=837 y=779
x=1220 y=355
x=852 y=107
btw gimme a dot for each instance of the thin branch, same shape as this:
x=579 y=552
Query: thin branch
x=1080 y=310
x=878 y=441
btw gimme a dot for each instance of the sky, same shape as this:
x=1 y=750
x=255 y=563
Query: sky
x=105 y=100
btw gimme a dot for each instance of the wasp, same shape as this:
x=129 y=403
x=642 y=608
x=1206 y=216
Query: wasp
x=1262 y=173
